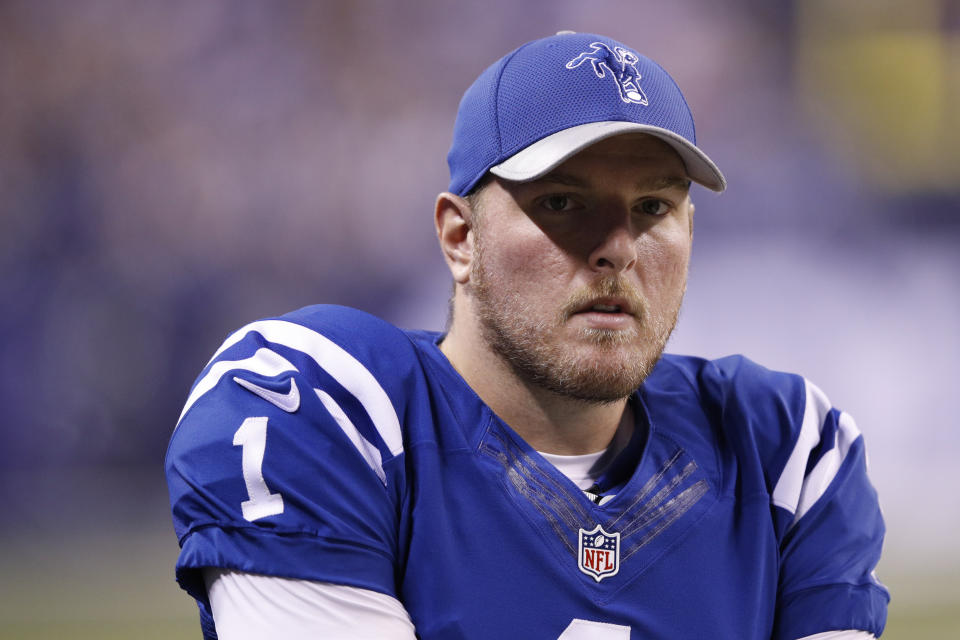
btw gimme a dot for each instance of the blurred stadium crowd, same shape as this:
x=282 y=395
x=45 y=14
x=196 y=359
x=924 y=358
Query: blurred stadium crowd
x=172 y=170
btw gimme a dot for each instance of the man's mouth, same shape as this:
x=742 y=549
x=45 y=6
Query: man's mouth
x=609 y=306
x=605 y=308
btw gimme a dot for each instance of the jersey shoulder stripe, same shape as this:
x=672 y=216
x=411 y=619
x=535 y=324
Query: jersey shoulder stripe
x=290 y=448
x=349 y=372
x=783 y=419
x=825 y=429
x=369 y=452
x=263 y=362
x=786 y=493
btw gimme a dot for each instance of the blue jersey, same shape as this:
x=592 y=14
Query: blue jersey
x=329 y=445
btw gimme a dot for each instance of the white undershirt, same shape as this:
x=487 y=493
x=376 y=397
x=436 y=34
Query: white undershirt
x=580 y=469
x=248 y=606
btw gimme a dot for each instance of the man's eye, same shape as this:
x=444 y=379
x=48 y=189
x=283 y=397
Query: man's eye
x=558 y=203
x=654 y=207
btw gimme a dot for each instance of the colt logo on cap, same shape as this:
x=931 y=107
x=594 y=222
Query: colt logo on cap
x=622 y=66
x=598 y=555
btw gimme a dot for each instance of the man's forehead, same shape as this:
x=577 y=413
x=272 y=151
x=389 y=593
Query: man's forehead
x=642 y=182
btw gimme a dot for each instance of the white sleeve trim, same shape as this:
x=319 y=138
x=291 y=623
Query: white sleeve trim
x=263 y=361
x=346 y=369
x=797 y=491
x=369 y=452
x=248 y=606
x=786 y=493
x=332 y=358
x=841 y=635
x=817 y=481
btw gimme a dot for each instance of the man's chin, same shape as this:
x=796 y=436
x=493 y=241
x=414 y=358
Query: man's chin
x=611 y=342
x=600 y=374
x=599 y=388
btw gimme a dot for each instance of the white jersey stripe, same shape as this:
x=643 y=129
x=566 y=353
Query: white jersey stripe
x=817 y=481
x=343 y=367
x=786 y=493
x=369 y=452
x=264 y=362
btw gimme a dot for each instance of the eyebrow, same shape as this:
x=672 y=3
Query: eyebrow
x=562 y=178
x=650 y=184
x=665 y=182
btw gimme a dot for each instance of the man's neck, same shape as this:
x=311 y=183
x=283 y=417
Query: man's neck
x=548 y=421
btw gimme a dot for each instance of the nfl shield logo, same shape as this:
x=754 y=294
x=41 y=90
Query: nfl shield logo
x=599 y=553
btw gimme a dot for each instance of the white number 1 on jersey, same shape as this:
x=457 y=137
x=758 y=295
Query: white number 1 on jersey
x=589 y=630
x=252 y=436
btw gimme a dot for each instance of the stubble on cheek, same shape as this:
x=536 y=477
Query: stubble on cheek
x=590 y=364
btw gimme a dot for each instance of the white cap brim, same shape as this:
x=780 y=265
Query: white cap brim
x=545 y=154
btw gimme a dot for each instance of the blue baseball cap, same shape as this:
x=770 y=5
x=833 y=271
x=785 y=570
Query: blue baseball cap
x=547 y=100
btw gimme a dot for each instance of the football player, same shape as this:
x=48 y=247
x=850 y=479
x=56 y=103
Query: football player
x=541 y=469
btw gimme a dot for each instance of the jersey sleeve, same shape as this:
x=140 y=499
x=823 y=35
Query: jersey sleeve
x=825 y=511
x=288 y=457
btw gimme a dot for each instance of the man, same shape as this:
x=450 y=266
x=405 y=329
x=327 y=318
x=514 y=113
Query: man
x=539 y=471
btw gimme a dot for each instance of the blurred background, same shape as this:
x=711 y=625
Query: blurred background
x=171 y=171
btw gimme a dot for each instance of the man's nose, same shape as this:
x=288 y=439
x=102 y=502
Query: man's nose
x=616 y=249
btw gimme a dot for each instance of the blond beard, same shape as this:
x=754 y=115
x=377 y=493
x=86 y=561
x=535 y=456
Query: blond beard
x=619 y=360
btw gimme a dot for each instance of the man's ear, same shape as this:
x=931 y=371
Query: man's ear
x=692 y=208
x=453 y=221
